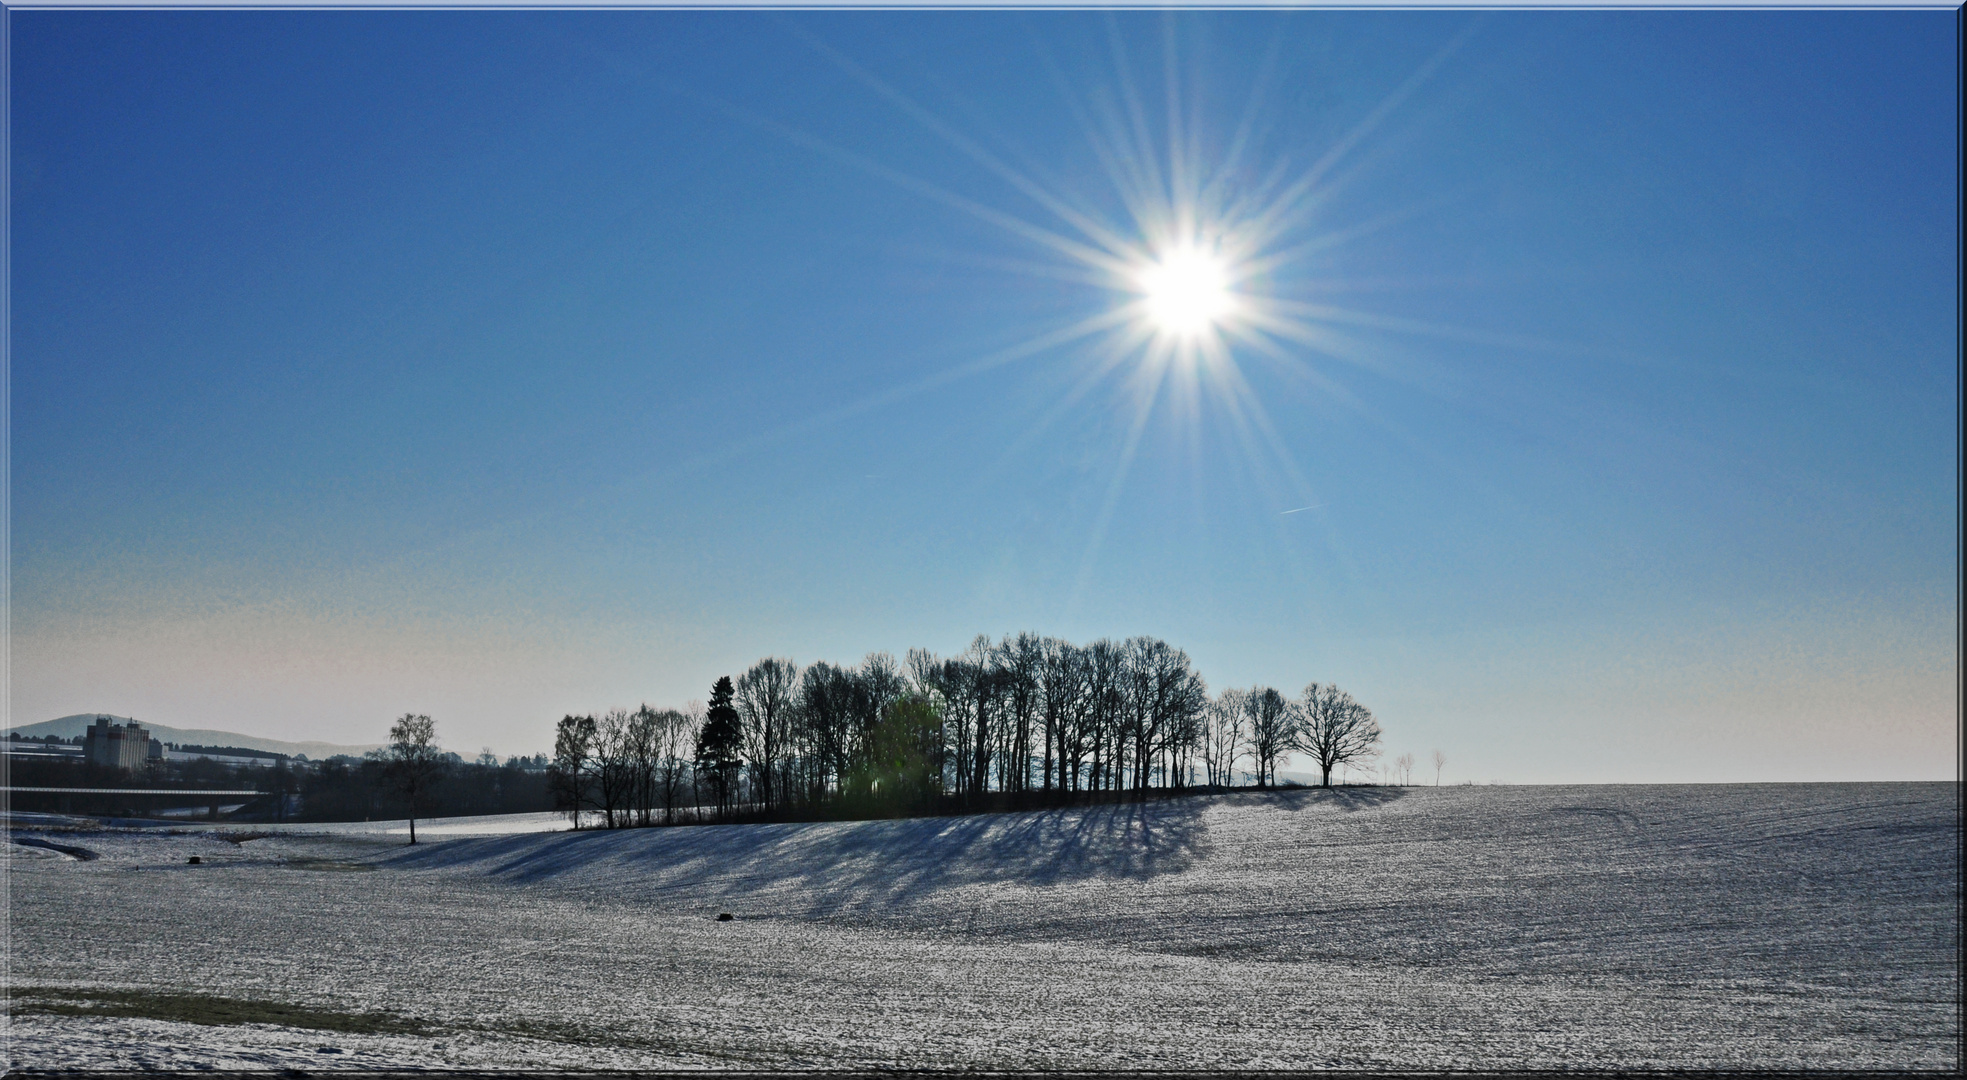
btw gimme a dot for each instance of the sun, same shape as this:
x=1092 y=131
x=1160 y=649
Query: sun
x=1187 y=292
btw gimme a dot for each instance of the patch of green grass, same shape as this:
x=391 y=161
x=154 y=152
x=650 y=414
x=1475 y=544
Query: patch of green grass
x=221 y=1011
x=204 y=1009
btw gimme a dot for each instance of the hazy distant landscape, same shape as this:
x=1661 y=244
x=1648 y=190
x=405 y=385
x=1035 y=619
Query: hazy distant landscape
x=69 y=727
x=1797 y=926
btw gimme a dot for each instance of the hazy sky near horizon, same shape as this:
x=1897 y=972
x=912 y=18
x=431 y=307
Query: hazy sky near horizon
x=1601 y=424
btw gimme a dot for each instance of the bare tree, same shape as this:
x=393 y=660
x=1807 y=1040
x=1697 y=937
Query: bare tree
x=1335 y=729
x=674 y=737
x=1063 y=686
x=1169 y=697
x=970 y=685
x=614 y=773
x=1181 y=699
x=569 y=776
x=1106 y=688
x=1440 y=759
x=1405 y=763
x=877 y=682
x=1272 y=721
x=1019 y=661
x=413 y=759
x=1222 y=737
x=825 y=714
x=644 y=754
x=764 y=701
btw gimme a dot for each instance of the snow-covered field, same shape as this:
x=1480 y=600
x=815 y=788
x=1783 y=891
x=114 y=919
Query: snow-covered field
x=483 y=825
x=1795 y=926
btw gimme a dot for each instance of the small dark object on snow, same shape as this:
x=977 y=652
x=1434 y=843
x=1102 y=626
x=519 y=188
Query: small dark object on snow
x=194 y=860
x=327 y=1049
x=724 y=916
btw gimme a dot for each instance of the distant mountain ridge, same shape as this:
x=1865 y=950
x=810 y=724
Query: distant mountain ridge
x=68 y=727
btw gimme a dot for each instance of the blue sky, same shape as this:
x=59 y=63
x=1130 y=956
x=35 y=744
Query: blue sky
x=499 y=365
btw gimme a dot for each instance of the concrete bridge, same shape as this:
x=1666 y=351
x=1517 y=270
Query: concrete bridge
x=65 y=796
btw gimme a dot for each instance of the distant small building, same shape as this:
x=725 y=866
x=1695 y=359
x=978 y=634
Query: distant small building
x=122 y=746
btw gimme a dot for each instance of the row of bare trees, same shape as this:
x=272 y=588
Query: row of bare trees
x=1401 y=769
x=1325 y=724
x=631 y=767
x=1022 y=716
x=1040 y=714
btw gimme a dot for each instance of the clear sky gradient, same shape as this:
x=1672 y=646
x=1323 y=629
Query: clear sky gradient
x=501 y=365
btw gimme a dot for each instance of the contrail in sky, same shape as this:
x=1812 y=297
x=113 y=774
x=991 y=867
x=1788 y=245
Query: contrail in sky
x=1300 y=509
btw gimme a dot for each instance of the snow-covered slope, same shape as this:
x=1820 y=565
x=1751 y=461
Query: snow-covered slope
x=1804 y=926
x=1557 y=879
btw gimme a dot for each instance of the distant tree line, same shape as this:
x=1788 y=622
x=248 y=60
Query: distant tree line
x=226 y=751
x=360 y=789
x=1023 y=721
x=340 y=788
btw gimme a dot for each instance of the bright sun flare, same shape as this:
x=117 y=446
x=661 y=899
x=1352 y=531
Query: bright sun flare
x=1187 y=292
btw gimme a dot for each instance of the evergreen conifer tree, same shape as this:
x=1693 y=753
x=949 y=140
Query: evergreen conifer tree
x=719 y=744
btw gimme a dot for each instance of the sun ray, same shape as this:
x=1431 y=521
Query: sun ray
x=1179 y=154
x=1328 y=340
x=1071 y=273
x=1088 y=382
x=1009 y=222
x=1520 y=342
x=1136 y=116
x=1331 y=390
x=1089 y=227
x=1312 y=177
x=1129 y=447
x=1249 y=411
x=1326 y=241
x=1294 y=366
x=1246 y=126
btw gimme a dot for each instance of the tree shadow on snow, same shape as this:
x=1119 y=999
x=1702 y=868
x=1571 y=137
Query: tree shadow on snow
x=860 y=862
x=1348 y=798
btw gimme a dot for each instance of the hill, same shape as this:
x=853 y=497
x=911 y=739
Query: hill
x=68 y=727
x=1654 y=929
x=1561 y=880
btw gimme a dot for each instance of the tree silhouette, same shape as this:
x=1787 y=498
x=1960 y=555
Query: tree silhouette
x=986 y=729
x=1222 y=737
x=901 y=770
x=765 y=709
x=570 y=775
x=413 y=759
x=720 y=745
x=1335 y=729
x=1272 y=723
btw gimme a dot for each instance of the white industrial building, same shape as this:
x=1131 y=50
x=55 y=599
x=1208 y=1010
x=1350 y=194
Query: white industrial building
x=124 y=746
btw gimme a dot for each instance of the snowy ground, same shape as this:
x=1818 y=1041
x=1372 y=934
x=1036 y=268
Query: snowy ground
x=483 y=825
x=1796 y=926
